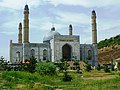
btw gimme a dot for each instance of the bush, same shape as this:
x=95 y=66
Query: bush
x=77 y=66
x=88 y=68
x=106 y=69
x=31 y=66
x=98 y=67
x=67 y=77
x=112 y=67
x=60 y=66
x=46 y=68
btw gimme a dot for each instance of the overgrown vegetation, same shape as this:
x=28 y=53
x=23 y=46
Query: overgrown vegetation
x=94 y=80
x=46 y=68
x=109 y=42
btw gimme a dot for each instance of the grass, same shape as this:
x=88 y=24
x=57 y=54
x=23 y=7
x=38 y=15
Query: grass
x=95 y=80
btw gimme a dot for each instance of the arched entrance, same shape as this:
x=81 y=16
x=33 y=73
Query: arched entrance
x=66 y=52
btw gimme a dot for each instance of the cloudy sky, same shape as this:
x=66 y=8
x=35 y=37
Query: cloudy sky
x=61 y=13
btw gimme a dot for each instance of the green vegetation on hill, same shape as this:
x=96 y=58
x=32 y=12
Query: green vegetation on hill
x=109 y=42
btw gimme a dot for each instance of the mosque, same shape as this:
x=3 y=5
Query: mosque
x=55 y=46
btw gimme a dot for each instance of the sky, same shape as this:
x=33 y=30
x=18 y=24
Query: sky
x=60 y=13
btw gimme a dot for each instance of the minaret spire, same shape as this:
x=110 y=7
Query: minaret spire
x=94 y=28
x=53 y=28
x=20 y=33
x=70 y=29
x=26 y=24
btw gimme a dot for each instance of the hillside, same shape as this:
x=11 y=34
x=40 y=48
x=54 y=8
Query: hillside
x=106 y=54
x=109 y=42
x=109 y=49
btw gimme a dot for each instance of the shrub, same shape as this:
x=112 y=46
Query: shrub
x=66 y=77
x=106 y=69
x=88 y=67
x=98 y=67
x=30 y=67
x=46 y=68
x=112 y=66
x=77 y=66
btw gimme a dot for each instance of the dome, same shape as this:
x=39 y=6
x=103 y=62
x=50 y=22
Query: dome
x=50 y=35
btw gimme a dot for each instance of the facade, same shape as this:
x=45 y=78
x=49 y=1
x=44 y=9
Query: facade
x=55 y=46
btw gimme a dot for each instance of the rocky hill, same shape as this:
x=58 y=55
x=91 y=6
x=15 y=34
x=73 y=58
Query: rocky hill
x=109 y=49
x=107 y=54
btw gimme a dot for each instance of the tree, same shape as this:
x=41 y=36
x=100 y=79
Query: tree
x=98 y=67
x=46 y=68
x=106 y=69
x=77 y=65
x=112 y=65
x=88 y=66
x=32 y=64
x=29 y=65
x=66 y=77
x=3 y=63
x=63 y=65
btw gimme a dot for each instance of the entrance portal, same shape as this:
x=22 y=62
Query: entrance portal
x=66 y=52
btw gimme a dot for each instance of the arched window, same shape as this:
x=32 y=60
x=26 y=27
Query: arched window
x=67 y=52
x=80 y=53
x=32 y=52
x=45 y=54
x=89 y=55
x=17 y=56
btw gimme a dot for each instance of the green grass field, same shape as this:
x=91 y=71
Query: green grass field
x=95 y=80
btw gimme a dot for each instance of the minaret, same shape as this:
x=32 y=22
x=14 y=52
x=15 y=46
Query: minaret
x=10 y=51
x=94 y=28
x=70 y=29
x=94 y=40
x=53 y=28
x=20 y=33
x=26 y=24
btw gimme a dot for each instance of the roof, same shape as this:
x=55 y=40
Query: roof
x=50 y=35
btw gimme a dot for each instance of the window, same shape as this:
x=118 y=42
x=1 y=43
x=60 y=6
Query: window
x=32 y=52
x=89 y=55
x=17 y=56
x=45 y=53
x=80 y=53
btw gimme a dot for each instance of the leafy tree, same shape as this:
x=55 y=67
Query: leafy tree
x=46 y=68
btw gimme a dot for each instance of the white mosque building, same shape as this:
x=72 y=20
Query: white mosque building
x=55 y=46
